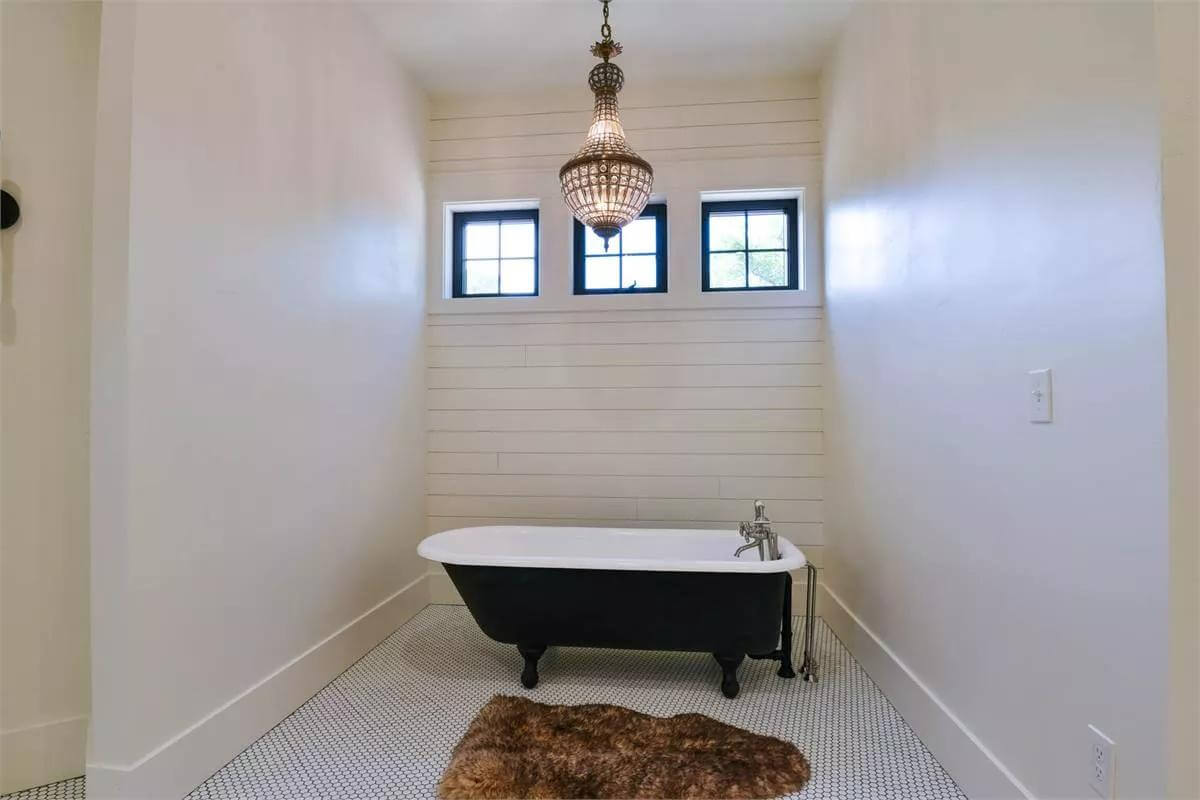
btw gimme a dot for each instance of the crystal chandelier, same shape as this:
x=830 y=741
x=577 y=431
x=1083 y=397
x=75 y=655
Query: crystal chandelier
x=606 y=184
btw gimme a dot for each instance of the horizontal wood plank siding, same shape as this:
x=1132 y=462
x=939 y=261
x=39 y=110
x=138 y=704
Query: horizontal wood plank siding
x=651 y=419
x=744 y=376
x=649 y=398
x=618 y=441
x=715 y=331
x=484 y=132
x=552 y=161
x=634 y=119
x=636 y=420
x=715 y=353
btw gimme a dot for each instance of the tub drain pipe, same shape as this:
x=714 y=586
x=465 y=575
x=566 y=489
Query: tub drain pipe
x=783 y=654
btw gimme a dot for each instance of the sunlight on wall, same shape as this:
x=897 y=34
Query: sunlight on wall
x=860 y=234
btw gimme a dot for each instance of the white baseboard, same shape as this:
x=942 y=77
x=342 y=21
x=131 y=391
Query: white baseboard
x=187 y=759
x=968 y=760
x=41 y=754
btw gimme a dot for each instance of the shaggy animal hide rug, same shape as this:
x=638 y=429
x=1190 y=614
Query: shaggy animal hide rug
x=515 y=748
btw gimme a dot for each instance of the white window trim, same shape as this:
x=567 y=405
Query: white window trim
x=752 y=194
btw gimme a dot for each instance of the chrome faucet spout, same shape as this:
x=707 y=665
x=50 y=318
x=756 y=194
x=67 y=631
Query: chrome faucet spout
x=759 y=532
x=746 y=547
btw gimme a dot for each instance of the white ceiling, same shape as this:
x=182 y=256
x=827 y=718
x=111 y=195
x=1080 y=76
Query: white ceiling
x=464 y=46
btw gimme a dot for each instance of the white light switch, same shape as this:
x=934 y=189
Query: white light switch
x=1040 y=395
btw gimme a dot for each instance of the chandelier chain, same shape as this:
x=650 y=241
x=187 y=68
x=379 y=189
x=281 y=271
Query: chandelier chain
x=606 y=29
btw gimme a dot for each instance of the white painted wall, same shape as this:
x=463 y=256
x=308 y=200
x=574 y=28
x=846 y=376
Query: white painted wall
x=1177 y=28
x=656 y=410
x=48 y=55
x=993 y=206
x=258 y=376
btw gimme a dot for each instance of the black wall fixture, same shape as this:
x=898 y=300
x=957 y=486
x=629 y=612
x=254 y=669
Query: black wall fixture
x=10 y=210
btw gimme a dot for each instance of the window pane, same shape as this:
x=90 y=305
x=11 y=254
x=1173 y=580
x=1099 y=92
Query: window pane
x=481 y=277
x=601 y=272
x=517 y=239
x=639 y=236
x=482 y=240
x=516 y=276
x=768 y=230
x=768 y=269
x=594 y=245
x=727 y=231
x=642 y=270
x=727 y=270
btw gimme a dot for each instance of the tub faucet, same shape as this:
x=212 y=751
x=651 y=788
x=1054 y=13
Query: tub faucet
x=758 y=533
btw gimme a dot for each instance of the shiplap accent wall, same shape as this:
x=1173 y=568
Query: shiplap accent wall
x=663 y=123
x=669 y=410
x=654 y=419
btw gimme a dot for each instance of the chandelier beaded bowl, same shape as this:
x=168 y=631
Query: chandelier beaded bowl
x=606 y=184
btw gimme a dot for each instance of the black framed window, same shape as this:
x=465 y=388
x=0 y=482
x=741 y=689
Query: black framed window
x=495 y=253
x=636 y=259
x=749 y=246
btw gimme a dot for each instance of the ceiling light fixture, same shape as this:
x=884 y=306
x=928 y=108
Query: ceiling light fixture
x=606 y=184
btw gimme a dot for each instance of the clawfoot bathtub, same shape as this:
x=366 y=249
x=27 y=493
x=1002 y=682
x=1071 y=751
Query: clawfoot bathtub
x=636 y=589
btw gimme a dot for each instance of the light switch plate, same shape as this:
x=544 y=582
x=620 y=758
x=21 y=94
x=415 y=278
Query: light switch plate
x=1040 y=396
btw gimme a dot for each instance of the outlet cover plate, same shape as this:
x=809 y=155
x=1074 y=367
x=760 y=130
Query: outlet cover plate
x=1101 y=763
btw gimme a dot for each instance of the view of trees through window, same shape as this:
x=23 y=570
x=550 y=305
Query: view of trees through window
x=747 y=249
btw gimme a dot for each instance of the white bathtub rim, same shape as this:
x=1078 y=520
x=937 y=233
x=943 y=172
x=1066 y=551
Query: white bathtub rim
x=451 y=547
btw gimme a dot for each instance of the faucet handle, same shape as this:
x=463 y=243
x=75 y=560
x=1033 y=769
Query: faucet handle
x=760 y=511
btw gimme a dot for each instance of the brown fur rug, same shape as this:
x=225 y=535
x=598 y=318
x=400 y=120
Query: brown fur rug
x=515 y=748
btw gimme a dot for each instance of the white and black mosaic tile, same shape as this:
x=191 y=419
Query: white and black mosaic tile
x=385 y=727
x=72 y=789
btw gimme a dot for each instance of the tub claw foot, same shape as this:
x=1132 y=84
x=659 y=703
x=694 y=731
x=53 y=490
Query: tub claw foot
x=729 y=666
x=531 y=652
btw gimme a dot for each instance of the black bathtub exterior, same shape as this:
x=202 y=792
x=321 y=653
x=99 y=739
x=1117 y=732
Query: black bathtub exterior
x=728 y=614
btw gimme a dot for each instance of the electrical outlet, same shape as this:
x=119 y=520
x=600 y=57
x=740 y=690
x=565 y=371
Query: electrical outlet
x=1101 y=764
